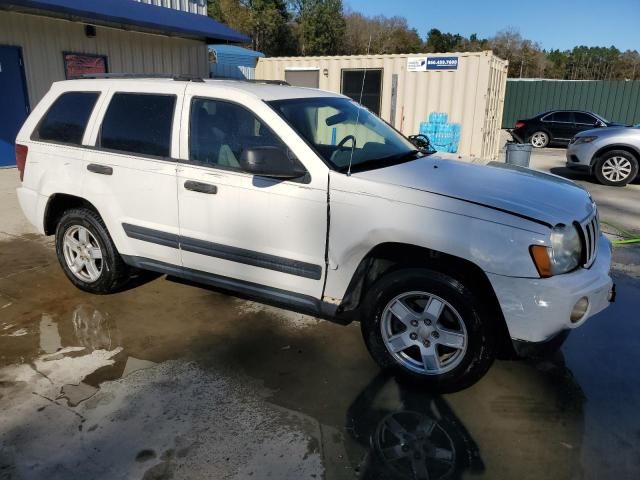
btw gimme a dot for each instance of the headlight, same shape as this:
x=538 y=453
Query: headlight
x=562 y=256
x=579 y=140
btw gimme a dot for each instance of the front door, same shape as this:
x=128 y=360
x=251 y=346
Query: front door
x=14 y=104
x=260 y=235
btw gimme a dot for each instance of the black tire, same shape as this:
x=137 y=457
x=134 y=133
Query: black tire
x=609 y=156
x=480 y=343
x=541 y=134
x=114 y=273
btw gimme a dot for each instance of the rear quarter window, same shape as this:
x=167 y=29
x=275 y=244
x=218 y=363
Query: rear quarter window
x=139 y=123
x=66 y=120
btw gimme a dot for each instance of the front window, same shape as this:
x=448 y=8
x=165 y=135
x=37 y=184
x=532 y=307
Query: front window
x=346 y=134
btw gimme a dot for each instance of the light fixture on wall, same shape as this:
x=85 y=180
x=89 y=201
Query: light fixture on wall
x=90 y=31
x=325 y=72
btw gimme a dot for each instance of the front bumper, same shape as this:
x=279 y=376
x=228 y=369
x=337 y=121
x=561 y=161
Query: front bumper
x=537 y=309
x=579 y=156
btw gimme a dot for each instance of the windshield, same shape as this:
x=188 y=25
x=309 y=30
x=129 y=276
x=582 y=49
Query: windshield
x=339 y=128
x=601 y=118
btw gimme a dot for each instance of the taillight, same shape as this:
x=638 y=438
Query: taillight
x=520 y=124
x=21 y=158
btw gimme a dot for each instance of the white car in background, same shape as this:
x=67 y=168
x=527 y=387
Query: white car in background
x=240 y=186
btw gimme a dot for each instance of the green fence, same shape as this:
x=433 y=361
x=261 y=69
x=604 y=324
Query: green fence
x=615 y=100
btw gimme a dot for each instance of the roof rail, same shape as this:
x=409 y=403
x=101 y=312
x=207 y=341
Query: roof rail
x=253 y=80
x=174 y=76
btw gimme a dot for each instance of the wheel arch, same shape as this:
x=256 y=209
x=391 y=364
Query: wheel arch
x=390 y=256
x=616 y=146
x=59 y=203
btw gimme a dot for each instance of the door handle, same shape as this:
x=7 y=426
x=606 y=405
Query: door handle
x=200 y=187
x=101 y=169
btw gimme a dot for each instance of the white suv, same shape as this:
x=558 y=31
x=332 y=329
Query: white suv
x=304 y=199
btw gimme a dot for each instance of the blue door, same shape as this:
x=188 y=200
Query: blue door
x=14 y=104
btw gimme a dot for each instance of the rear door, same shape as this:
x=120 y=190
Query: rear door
x=14 y=104
x=131 y=171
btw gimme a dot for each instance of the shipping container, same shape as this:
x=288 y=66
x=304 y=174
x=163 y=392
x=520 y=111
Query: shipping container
x=405 y=89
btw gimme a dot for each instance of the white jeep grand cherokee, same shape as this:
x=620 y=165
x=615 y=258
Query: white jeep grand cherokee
x=304 y=199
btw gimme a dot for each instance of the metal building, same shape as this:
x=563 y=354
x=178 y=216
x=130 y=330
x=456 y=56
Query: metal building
x=191 y=6
x=405 y=89
x=43 y=41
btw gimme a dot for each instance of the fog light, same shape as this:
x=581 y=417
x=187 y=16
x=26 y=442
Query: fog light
x=579 y=310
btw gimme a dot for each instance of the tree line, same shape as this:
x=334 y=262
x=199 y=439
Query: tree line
x=324 y=27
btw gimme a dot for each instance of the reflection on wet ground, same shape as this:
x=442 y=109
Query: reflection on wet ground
x=171 y=381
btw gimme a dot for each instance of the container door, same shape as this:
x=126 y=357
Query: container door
x=363 y=86
x=14 y=103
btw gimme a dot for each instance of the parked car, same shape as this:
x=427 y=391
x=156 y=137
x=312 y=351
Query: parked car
x=243 y=187
x=558 y=127
x=612 y=155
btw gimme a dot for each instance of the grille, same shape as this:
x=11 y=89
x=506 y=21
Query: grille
x=590 y=237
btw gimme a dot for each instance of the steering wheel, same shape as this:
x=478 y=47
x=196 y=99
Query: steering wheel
x=340 y=146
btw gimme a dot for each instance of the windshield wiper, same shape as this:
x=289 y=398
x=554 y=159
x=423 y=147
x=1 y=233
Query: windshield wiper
x=381 y=162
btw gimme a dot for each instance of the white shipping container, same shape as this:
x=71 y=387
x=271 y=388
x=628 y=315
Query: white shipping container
x=469 y=87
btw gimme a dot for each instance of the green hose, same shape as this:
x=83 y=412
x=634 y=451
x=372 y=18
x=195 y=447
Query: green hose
x=626 y=241
x=626 y=236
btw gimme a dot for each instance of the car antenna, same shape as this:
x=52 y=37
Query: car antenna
x=353 y=142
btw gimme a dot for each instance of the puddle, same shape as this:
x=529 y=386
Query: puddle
x=172 y=381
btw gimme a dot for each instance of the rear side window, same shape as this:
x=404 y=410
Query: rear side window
x=139 y=123
x=67 y=118
x=564 y=117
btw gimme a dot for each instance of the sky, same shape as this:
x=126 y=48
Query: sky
x=555 y=24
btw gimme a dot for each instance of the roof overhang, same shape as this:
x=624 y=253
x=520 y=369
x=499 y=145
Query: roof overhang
x=130 y=15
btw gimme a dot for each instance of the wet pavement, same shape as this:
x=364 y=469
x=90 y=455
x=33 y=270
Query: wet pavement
x=168 y=380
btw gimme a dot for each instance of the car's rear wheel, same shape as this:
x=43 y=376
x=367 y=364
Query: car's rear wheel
x=539 y=139
x=616 y=168
x=87 y=254
x=427 y=327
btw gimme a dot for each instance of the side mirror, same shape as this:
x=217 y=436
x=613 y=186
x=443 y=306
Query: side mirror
x=273 y=162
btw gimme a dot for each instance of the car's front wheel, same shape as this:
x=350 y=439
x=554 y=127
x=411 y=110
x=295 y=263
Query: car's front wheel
x=616 y=168
x=427 y=327
x=87 y=254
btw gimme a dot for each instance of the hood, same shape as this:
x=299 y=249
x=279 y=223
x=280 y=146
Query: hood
x=527 y=193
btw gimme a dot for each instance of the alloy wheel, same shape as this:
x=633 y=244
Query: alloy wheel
x=424 y=333
x=539 y=139
x=82 y=253
x=616 y=169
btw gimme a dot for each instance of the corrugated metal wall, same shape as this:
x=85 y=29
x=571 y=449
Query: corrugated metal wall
x=43 y=40
x=616 y=100
x=472 y=95
x=192 y=6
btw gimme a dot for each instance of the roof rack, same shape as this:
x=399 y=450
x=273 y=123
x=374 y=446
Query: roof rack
x=253 y=80
x=173 y=76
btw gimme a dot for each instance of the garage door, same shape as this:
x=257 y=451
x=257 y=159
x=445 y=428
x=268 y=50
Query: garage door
x=303 y=78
